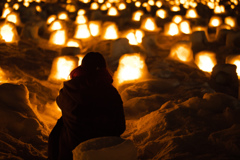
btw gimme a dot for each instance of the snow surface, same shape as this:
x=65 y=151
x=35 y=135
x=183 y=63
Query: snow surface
x=171 y=114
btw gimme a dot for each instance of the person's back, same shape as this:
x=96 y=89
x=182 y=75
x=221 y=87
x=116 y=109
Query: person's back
x=91 y=106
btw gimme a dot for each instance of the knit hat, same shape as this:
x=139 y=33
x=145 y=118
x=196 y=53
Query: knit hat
x=93 y=61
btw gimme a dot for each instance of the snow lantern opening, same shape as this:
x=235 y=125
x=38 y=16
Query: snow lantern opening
x=112 y=11
x=62 y=67
x=149 y=24
x=185 y=27
x=177 y=19
x=13 y=17
x=162 y=13
x=215 y=21
x=56 y=25
x=175 y=8
x=63 y=16
x=58 y=37
x=110 y=31
x=171 y=29
x=73 y=43
x=137 y=4
x=206 y=60
x=236 y=61
x=6 y=11
x=2 y=76
x=94 y=6
x=137 y=15
x=81 y=12
x=81 y=19
x=131 y=67
x=122 y=6
x=230 y=21
x=8 y=32
x=134 y=36
x=181 y=51
x=159 y=4
x=191 y=13
x=51 y=19
x=82 y=32
x=95 y=27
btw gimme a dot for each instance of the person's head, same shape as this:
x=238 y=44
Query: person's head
x=93 y=61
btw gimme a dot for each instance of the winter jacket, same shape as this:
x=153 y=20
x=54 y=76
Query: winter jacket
x=91 y=107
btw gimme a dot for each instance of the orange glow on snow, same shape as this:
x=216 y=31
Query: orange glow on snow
x=58 y=37
x=72 y=43
x=56 y=25
x=191 y=13
x=94 y=6
x=7 y=32
x=81 y=19
x=13 y=17
x=177 y=19
x=184 y=27
x=82 y=32
x=215 y=21
x=161 y=13
x=137 y=15
x=112 y=11
x=51 y=19
x=111 y=31
x=122 y=6
x=2 y=76
x=205 y=60
x=171 y=29
x=182 y=51
x=230 y=21
x=5 y=12
x=149 y=24
x=63 y=16
x=130 y=68
x=236 y=61
x=94 y=27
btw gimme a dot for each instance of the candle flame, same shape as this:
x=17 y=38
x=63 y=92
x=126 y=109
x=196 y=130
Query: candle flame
x=205 y=60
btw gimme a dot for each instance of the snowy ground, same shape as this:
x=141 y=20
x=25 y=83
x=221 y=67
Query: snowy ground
x=171 y=114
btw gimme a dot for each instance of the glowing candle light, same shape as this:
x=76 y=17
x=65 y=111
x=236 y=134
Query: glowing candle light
x=82 y=32
x=175 y=8
x=58 y=37
x=7 y=32
x=72 y=43
x=61 y=68
x=130 y=68
x=177 y=19
x=139 y=35
x=111 y=31
x=2 y=76
x=182 y=51
x=206 y=60
x=230 y=21
x=81 y=12
x=5 y=12
x=215 y=21
x=236 y=61
x=56 y=25
x=159 y=4
x=103 y=7
x=14 y=18
x=94 y=6
x=137 y=15
x=63 y=16
x=191 y=13
x=112 y=11
x=131 y=38
x=81 y=19
x=149 y=24
x=94 y=27
x=171 y=29
x=71 y=8
x=185 y=27
x=16 y=6
x=162 y=13
x=138 y=4
x=38 y=8
x=151 y=2
x=51 y=19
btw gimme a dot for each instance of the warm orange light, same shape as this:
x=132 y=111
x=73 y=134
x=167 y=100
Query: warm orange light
x=13 y=17
x=137 y=15
x=81 y=19
x=16 y=6
x=80 y=57
x=63 y=16
x=215 y=21
x=184 y=27
x=51 y=19
x=139 y=35
x=236 y=61
x=38 y=8
x=159 y=4
x=138 y=4
x=71 y=8
x=191 y=13
x=177 y=19
x=230 y=21
x=110 y=31
x=162 y=13
x=130 y=68
x=95 y=27
x=2 y=76
x=81 y=12
x=206 y=60
x=175 y=8
x=61 y=68
x=122 y=6
x=151 y=2
x=149 y=24
x=5 y=12
x=171 y=29
x=112 y=11
x=58 y=37
x=56 y=25
x=103 y=7
x=8 y=32
x=82 y=32
x=72 y=43
x=94 y=6
x=182 y=51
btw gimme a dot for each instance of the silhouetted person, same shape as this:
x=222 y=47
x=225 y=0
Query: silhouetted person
x=91 y=107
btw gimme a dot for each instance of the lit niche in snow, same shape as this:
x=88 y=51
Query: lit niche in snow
x=206 y=60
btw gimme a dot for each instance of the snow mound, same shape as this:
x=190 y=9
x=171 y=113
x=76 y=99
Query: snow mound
x=107 y=148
